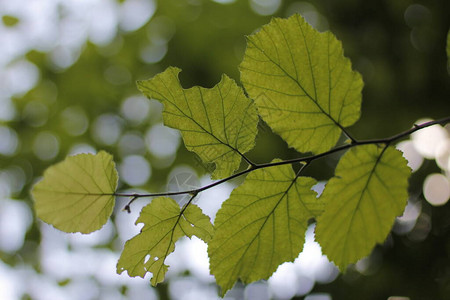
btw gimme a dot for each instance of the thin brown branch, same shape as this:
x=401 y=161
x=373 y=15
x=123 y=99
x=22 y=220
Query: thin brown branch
x=306 y=159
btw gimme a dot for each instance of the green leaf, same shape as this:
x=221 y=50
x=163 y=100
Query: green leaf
x=218 y=124
x=261 y=225
x=370 y=189
x=164 y=223
x=76 y=195
x=303 y=86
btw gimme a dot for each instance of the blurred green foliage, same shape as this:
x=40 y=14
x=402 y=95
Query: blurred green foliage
x=398 y=46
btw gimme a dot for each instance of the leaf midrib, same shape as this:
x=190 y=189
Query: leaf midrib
x=266 y=218
x=296 y=80
x=363 y=191
x=190 y=117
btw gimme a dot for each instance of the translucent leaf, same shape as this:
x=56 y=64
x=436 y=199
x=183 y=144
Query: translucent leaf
x=76 y=195
x=370 y=189
x=302 y=84
x=218 y=124
x=164 y=223
x=261 y=225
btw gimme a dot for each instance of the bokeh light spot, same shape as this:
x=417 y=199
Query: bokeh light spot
x=265 y=7
x=309 y=12
x=427 y=140
x=131 y=143
x=135 y=170
x=102 y=33
x=318 y=296
x=153 y=53
x=416 y=14
x=187 y=288
x=96 y=238
x=63 y=57
x=35 y=113
x=135 y=109
x=224 y=1
x=13 y=178
x=46 y=145
x=19 y=77
x=74 y=120
x=369 y=265
x=107 y=129
x=285 y=283
x=257 y=291
x=9 y=141
x=443 y=155
x=162 y=141
x=406 y=222
x=15 y=219
x=436 y=189
x=421 y=229
x=135 y=13
x=160 y=30
x=81 y=148
x=7 y=109
x=11 y=285
x=312 y=263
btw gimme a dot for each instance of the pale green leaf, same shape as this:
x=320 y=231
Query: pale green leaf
x=370 y=189
x=261 y=225
x=218 y=124
x=76 y=195
x=164 y=223
x=304 y=87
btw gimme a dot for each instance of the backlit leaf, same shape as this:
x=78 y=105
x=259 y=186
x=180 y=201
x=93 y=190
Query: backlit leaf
x=261 y=225
x=76 y=195
x=218 y=124
x=361 y=202
x=302 y=84
x=164 y=224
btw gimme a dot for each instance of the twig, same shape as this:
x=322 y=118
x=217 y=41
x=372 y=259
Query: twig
x=306 y=159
